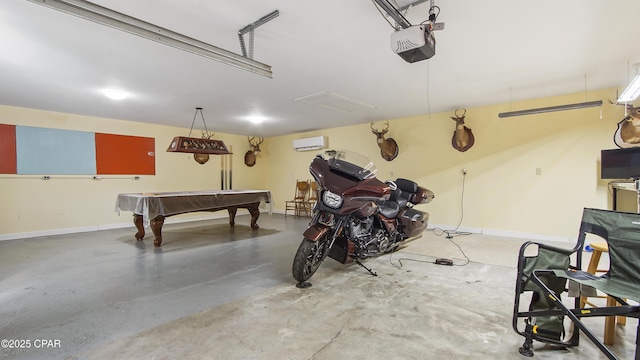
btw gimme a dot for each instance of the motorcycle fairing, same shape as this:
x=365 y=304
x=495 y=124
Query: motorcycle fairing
x=338 y=183
x=360 y=208
x=369 y=187
x=363 y=208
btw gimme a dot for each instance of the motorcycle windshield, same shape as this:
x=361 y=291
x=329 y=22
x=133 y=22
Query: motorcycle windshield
x=351 y=164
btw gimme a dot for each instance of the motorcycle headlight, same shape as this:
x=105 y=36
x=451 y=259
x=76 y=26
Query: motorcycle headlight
x=332 y=200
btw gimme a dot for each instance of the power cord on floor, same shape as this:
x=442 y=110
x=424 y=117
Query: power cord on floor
x=431 y=259
x=450 y=235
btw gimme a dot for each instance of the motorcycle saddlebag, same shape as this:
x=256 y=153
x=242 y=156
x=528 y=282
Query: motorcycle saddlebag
x=413 y=222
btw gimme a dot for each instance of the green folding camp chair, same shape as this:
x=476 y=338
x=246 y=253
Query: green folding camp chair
x=542 y=278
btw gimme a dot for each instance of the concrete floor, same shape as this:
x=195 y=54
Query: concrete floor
x=216 y=292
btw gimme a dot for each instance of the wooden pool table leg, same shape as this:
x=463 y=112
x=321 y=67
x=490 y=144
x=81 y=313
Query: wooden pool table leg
x=156 y=227
x=137 y=221
x=255 y=214
x=253 y=210
x=232 y=215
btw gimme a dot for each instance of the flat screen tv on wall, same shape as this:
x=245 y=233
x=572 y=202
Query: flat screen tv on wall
x=620 y=163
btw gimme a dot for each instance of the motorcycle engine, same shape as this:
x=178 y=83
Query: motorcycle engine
x=361 y=228
x=371 y=241
x=381 y=242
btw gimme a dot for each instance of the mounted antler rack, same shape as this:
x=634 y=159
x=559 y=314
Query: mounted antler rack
x=388 y=147
x=462 y=139
x=250 y=156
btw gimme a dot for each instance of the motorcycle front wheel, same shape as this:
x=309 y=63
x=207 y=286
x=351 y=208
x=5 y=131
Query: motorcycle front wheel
x=308 y=258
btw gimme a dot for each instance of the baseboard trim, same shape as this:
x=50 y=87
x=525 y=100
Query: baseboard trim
x=528 y=236
x=502 y=233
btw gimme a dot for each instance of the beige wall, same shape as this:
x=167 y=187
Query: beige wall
x=31 y=206
x=502 y=193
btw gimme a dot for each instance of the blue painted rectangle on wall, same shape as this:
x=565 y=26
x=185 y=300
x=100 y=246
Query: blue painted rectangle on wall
x=53 y=151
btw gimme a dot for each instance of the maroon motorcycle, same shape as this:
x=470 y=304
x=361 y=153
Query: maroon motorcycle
x=357 y=216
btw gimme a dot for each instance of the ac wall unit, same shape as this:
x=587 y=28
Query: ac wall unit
x=312 y=143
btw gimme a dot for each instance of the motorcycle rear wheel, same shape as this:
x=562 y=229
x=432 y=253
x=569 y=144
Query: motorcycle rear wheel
x=308 y=258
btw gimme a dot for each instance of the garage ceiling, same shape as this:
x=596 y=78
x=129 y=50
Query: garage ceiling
x=490 y=52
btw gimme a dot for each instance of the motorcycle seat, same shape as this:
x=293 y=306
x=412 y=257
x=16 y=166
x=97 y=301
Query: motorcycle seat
x=401 y=197
x=404 y=191
x=388 y=208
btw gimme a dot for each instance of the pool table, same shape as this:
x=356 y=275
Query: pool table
x=153 y=208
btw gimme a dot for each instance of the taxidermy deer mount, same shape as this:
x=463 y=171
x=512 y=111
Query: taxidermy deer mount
x=388 y=147
x=628 y=132
x=462 y=139
x=250 y=156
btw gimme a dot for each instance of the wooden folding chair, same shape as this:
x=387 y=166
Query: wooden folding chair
x=312 y=199
x=297 y=204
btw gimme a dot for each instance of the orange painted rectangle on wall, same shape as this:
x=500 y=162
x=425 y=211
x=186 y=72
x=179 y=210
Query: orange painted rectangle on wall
x=8 y=158
x=125 y=155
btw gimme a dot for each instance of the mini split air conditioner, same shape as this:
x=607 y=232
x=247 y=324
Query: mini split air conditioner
x=312 y=143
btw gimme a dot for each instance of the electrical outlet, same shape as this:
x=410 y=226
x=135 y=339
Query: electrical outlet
x=464 y=171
